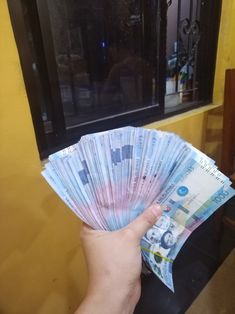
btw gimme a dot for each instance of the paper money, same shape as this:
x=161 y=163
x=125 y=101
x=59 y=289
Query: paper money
x=109 y=178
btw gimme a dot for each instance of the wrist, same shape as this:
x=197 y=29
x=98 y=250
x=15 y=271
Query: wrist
x=113 y=295
x=103 y=299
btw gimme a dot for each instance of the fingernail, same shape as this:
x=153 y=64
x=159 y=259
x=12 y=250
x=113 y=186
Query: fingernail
x=157 y=210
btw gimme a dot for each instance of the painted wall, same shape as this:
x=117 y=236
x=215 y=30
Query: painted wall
x=42 y=268
x=226 y=48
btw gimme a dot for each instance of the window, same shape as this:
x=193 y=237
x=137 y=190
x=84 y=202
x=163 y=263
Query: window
x=90 y=65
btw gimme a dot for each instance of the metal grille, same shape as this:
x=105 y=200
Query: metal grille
x=183 y=37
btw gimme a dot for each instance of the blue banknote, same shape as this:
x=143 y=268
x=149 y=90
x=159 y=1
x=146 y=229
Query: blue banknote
x=111 y=177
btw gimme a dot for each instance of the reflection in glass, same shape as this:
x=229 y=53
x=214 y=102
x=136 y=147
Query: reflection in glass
x=99 y=51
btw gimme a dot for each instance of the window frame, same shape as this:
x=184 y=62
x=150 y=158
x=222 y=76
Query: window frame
x=62 y=136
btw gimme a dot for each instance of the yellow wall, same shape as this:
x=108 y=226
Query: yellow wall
x=226 y=48
x=42 y=268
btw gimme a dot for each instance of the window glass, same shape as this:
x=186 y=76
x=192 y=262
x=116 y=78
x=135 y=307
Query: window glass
x=92 y=65
x=101 y=64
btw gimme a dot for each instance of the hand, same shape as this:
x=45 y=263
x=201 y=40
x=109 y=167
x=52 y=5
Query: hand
x=114 y=265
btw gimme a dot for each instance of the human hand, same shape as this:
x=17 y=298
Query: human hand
x=114 y=265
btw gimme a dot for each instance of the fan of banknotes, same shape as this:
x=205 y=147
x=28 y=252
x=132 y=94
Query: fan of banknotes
x=109 y=178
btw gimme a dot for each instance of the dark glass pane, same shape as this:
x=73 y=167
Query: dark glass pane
x=100 y=51
x=30 y=15
x=183 y=35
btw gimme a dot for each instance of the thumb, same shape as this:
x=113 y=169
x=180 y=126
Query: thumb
x=145 y=221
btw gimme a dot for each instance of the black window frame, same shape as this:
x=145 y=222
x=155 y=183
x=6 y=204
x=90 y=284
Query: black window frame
x=62 y=136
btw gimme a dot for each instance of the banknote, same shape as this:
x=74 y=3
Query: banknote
x=109 y=178
x=161 y=245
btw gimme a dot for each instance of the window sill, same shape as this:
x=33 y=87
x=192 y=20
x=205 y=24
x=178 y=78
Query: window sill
x=172 y=119
x=181 y=116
